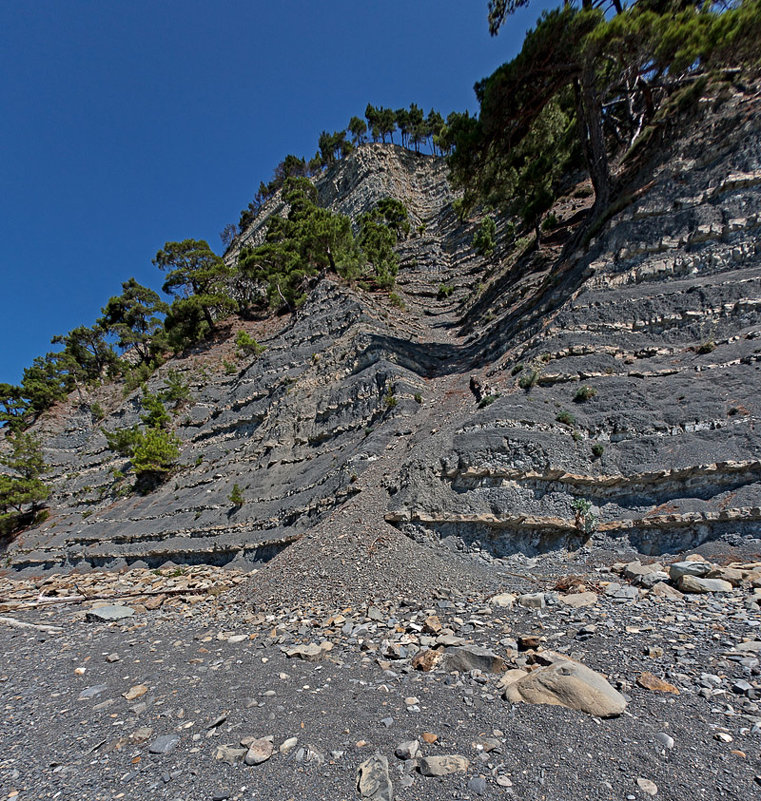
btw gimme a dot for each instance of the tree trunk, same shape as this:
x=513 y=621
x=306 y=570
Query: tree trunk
x=589 y=115
x=209 y=318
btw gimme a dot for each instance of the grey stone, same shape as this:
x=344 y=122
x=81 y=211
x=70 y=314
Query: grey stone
x=665 y=740
x=679 y=569
x=258 y=751
x=164 y=744
x=373 y=780
x=92 y=692
x=443 y=765
x=532 y=600
x=230 y=754
x=408 y=750
x=477 y=785
x=309 y=653
x=695 y=584
x=473 y=657
x=110 y=613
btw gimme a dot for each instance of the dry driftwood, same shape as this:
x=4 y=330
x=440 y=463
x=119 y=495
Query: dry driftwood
x=21 y=624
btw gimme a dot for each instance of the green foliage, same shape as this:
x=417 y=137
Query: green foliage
x=236 y=496
x=397 y=300
x=483 y=241
x=487 y=400
x=597 y=450
x=154 y=415
x=395 y=216
x=12 y=406
x=581 y=76
x=296 y=248
x=155 y=453
x=333 y=146
x=517 y=368
x=706 y=347
x=358 y=129
x=230 y=367
x=389 y=399
x=585 y=519
x=135 y=377
x=96 y=410
x=198 y=279
x=135 y=318
x=49 y=379
x=89 y=356
x=152 y=450
x=247 y=345
x=377 y=242
x=22 y=490
x=122 y=441
x=445 y=290
x=566 y=418
x=418 y=397
x=584 y=393
x=528 y=379
x=176 y=390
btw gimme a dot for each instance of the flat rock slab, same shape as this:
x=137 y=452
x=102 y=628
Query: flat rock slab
x=373 y=780
x=577 y=600
x=695 y=584
x=443 y=765
x=91 y=692
x=108 y=614
x=309 y=653
x=679 y=569
x=164 y=744
x=568 y=684
x=472 y=657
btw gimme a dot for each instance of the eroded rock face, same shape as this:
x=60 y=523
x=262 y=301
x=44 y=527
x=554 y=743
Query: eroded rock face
x=625 y=378
x=568 y=684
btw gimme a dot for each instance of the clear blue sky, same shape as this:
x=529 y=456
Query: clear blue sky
x=126 y=125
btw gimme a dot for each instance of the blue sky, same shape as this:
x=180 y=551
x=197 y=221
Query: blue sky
x=126 y=125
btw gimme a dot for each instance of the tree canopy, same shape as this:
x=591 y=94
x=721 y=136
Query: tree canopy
x=584 y=83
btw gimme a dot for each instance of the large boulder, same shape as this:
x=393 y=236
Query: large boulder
x=569 y=684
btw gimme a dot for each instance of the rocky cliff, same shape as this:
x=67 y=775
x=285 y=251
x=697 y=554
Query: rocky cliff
x=624 y=367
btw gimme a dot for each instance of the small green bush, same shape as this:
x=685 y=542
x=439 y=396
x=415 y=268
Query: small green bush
x=585 y=519
x=96 y=410
x=236 y=496
x=706 y=347
x=584 y=393
x=389 y=399
x=418 y=397
x=445 y=290
x=483 y=241
x=396 y=300
x=518 y=367
x=247 y=345
x=597 y=450
x=176 y=389
x=487 y=400
x=528 y=379
x=566 y=418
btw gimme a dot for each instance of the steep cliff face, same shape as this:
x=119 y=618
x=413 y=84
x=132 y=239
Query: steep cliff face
x=658 y=315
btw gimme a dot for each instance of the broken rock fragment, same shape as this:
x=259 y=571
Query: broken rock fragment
x=373 y=781
x=443 y=765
